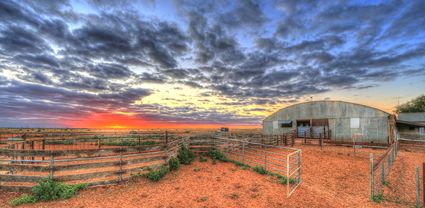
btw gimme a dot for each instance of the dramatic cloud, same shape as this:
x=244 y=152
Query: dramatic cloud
x=195 y=61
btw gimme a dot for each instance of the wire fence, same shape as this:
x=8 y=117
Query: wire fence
x=279 y=160
x=380 y=168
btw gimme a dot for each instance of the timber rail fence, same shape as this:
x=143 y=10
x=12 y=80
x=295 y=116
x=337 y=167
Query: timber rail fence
x=98 y=158
x=93 y=159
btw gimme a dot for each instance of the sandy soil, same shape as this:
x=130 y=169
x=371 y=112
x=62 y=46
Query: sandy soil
x=331 y=178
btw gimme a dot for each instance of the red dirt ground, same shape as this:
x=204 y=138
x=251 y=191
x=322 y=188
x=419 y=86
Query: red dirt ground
x=331 y=178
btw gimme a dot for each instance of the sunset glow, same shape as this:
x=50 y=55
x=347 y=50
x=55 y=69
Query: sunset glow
x=192 y=64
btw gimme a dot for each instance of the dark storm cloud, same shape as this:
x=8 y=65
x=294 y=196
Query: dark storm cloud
x=246 y=13
x=113 y=71
x=253 y=52
x=212 y=42
x=14 y=39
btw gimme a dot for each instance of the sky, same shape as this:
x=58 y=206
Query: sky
x=201 y=63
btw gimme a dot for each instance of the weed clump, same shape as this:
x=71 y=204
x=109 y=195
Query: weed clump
x=378 y=198
x=174 y=164
x=284 y=180
x=202 y=159
x=185 y=155
x=23 y=199
x=47 y=190
x=260 y=170
x=156 y=175
x=217 y=155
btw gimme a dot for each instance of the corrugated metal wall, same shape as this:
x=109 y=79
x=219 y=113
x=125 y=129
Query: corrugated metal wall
x=373 y=122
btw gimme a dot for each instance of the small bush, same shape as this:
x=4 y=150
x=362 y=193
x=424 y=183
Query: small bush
x=378 y=198
x=386 y=183
x=203 y=159
x=174 y=164
x=284 y=180
x=216 y=154
x=196 y=169
x=23 y=199
x=214 y=161
x=245 y=167
x=185 y=155
x=156 y=175
x=260 y=170
x=47 y=190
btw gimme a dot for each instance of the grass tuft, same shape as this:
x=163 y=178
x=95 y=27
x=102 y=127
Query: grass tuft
x=174 y=164
x=185 y=155
x=260 y=170
x=156 y=175
x=378 y=198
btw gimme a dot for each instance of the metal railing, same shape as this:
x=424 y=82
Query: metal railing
x=284 y=161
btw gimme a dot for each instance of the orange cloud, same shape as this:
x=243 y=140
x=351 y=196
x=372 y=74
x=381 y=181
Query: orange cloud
x=128 y=121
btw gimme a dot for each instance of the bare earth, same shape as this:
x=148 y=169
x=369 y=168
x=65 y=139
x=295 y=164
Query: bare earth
x=331 y=178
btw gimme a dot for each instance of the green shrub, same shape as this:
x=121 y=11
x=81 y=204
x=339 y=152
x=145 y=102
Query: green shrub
x=216 y=154
x=185 y=155
x=214 y=161
x=203 y=159
x=47 y=190
x=23 y=199
x=260 y=170
x=378 y=198
x=386 y=183
x=156 y=175
x=173 y=164
x=284 y=180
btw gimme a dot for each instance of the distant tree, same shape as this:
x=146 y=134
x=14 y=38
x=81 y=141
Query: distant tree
x=415 y=105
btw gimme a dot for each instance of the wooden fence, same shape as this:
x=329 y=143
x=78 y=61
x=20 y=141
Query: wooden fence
x=95 y=160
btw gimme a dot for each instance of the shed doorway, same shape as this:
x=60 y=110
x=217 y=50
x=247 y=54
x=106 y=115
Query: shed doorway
x=320 y=128
x=303 y=128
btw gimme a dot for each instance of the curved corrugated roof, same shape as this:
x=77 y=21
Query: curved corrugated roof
x=328 y=101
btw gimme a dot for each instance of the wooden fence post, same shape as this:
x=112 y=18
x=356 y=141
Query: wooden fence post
x=121 y=165
x=52 y=165
x=383 y=174
x=299 y=167
x=243 y=152
x=265 y=161
x=166 y=137
x=418 y=194
x=293 y=140
x=423 y=181
x=371 y=177
x=43 y=147
x=321 y=141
